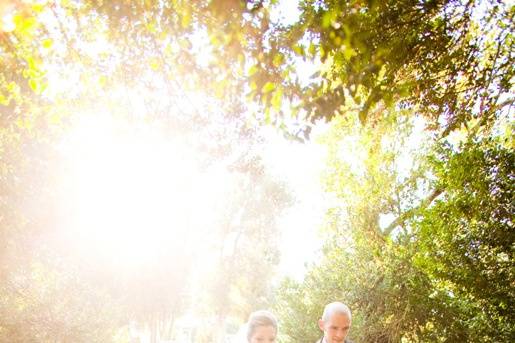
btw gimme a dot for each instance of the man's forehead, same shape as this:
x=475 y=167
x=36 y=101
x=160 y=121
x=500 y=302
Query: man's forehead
x=338 y=318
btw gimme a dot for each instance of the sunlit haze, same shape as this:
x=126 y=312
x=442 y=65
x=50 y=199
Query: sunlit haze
x=168 y=169
x=131 y=190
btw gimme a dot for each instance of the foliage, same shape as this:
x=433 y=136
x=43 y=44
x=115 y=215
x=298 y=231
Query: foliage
x=435 y=270
x=448 y=60
x=139 y=63
x=442 y=269
x=467 y=239
x=43 y=305
x=363 y=263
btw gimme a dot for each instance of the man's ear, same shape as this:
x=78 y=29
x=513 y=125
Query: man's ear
x=321 y=324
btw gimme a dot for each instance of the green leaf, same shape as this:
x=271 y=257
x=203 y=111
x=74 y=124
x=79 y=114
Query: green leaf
x=252 y=70
x=32 y=63
x=102 y=80
x=268 y=87
x=348 y=52
x=38 y=8
x=312 y=49
x=154 y=64
x=277 y=98
x=298 y=49
x=329 y=17
x=47 y=43
x=34 y=85
x=278 y=59
x=24 y=24
x=186 y=19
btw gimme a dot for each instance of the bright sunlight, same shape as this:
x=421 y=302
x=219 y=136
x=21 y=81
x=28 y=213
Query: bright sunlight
x=227 y=171
x=132 y=190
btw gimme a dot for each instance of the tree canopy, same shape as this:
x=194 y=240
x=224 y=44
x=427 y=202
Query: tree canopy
x=418 y=101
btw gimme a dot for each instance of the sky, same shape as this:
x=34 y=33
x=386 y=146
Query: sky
x=286 y=12
x=301 y=170
x=299 y=165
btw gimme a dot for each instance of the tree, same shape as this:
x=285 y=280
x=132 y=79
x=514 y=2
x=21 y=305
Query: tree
x=466 y=239
x=381 y=66
x=449 y=61
x=375 y=173
x=440 y=267
x=137 y=62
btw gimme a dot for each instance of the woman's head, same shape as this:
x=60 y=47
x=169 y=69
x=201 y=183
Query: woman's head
x=261 y=327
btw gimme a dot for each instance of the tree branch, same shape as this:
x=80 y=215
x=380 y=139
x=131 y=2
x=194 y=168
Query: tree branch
x=409 y=213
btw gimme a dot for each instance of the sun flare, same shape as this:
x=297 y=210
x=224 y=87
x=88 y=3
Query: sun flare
x=131 y=191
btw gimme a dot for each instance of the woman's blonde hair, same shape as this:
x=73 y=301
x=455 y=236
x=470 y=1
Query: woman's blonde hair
x=260 y=318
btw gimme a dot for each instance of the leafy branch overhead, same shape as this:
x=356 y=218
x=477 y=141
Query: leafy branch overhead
x=449 y=61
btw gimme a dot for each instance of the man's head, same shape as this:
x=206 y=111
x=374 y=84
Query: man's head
x=335 y=322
